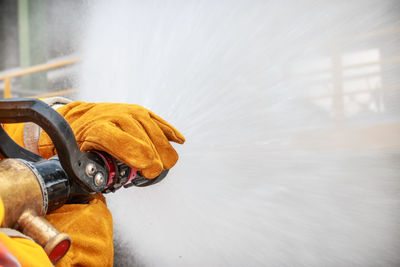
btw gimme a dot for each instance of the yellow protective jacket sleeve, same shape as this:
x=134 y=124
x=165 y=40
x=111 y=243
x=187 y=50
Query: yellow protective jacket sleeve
x=89 y=225
x=91 y=232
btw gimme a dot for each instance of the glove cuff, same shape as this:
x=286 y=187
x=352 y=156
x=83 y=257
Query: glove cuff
x=31 y=133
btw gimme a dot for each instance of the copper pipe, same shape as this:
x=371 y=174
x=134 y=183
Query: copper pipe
x=54 y=243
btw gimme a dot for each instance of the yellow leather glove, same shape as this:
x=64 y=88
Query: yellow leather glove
x=130 y=133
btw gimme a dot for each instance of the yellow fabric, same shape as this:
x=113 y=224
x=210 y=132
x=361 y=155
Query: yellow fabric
x=27 y=252
x=1 y=211
x=130 y=133
x=16 y=132
x=91 y=231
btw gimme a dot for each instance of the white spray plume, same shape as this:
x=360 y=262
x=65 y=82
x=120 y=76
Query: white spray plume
x=271 y=174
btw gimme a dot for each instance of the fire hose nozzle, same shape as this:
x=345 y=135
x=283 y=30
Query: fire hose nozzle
x=25 y=204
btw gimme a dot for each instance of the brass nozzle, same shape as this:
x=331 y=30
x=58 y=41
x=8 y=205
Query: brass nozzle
x=24 y=206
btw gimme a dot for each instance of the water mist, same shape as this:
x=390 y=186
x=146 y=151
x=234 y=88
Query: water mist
x=292 y=155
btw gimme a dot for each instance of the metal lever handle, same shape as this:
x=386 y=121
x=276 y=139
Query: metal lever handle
x=72 y=159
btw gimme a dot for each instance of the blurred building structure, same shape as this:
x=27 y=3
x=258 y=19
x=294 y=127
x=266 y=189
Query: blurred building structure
x=37 y=32
x=356 y=85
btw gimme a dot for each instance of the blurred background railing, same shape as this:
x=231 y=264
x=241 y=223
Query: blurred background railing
x=8 y=77
x=38 y=46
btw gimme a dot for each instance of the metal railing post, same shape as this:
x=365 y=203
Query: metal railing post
x=7 y=87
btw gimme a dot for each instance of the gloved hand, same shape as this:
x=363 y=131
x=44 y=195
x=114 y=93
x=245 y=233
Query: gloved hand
x=130 y=133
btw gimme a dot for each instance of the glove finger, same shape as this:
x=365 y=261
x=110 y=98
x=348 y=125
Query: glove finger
x=165 y=150
x=137 y=151
x=153 y=171
x=135 y=129
x=170 y=132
